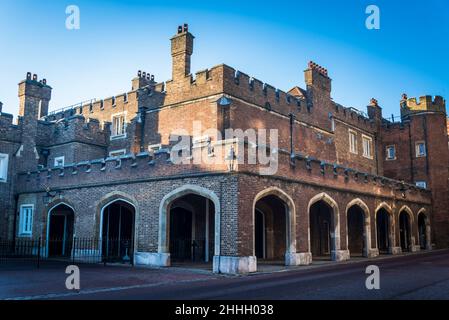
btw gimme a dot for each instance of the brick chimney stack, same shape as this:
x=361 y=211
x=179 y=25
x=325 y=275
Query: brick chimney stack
x=181 y=51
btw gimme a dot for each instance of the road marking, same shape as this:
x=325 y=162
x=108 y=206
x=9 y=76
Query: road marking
x=102 y=290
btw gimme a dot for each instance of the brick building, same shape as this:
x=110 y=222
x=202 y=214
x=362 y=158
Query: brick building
x=346 y=184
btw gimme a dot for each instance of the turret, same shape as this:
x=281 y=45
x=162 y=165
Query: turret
x=34 y=97
x=426 y=103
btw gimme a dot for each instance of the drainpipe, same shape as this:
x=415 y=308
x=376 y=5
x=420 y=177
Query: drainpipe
x=425 y=144
x=292 y=119
x=411 y=151
x=142 y=119
x=14 y=228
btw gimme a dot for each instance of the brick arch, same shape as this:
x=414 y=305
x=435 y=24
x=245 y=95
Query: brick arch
x=163 y=243
x=391 y=220
x=291 y=218
x=367 y=226
x=335 y=235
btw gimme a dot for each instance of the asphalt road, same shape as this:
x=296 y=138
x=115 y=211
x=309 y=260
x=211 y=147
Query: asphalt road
x=422 y=276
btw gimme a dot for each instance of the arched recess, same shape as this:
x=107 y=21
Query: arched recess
x=290 y=217
x=103 y=217
x=406 y=230
x=362 y=208
x=334 y=228
x=424 y=230
x=60 y=228
x=164 y=216
x=384 y=221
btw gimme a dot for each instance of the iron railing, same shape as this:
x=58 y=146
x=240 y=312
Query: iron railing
x=76 y=250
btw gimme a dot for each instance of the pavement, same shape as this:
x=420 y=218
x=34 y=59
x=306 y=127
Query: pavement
x=404 y=277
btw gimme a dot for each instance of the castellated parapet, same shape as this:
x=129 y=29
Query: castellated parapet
x=75 y=128
x=9 y=131
x=410 y=106
x=148 y=166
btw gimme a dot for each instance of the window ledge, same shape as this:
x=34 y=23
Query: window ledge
x=117 y=137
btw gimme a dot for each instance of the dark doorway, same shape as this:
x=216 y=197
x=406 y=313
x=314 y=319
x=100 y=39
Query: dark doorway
x=320 y=229
x=404 y=231
x=118 y=232
x=270 y=223
x=356 y=231
x=260 y=234
x=422 y=228
x=383 y=231
x=192 y=230
x=180 y=234
x=60 y=233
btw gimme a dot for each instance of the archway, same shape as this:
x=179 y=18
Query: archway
x=191 y=229
x=422 y=230
x=274 y=227
x=117 y=231
x=383 y=231
x=322 y=226
x=271 y=229
x=61 y=220
x=357 y=234
x=260 y=234
x=405 y=231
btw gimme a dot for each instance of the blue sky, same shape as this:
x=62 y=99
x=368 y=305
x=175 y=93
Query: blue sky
x=269 y=40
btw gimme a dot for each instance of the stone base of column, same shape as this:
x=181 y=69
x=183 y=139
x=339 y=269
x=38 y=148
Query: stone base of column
x=395 y=250
x=372 y=253
x=298 y=259
x=414 y=248
x=340 y=255
x=152 y=259
x=429 y=247
x=234 y=265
